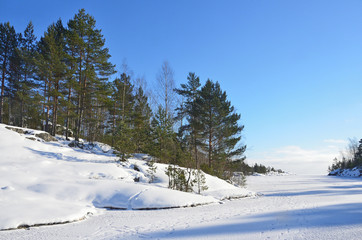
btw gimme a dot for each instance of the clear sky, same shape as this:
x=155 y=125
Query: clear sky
x=292 y=69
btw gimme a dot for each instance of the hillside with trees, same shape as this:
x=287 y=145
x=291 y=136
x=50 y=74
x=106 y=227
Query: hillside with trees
x=62 y=84
x=350 y=162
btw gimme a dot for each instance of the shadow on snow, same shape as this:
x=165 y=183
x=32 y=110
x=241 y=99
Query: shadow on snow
x=328 y=216
x=63 y=157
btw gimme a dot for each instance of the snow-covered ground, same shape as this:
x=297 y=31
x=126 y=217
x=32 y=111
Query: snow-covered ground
x=50 y=182
x=354 y=172
x=291 y=207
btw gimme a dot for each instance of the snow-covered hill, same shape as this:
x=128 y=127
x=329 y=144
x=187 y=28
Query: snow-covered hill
x=49 y=182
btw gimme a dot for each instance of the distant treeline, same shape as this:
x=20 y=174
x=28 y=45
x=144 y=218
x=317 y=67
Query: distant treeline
x=350 y=158
x=246 y=169
x=61 y=84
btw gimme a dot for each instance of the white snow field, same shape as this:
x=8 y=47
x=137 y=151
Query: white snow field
x=291 y=207
x=58 y=184
x=49 y=182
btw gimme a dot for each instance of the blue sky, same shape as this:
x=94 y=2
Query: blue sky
x=293 y=69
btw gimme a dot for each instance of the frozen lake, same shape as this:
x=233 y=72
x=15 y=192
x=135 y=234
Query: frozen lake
x=290 y=207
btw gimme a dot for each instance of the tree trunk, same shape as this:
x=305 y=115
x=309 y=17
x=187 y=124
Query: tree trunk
x=2 y=91
x=79 y=107
x=68 y=113
x=22 y=112
x=55 y=116
x=114 y=123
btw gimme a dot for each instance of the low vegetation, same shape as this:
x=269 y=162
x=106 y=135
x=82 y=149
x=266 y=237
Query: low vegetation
x=351 y=158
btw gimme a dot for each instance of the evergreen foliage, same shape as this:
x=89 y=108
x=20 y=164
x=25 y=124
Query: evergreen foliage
x=163 y=137
x=87 y=51
x=8 y=45
x=220 y=130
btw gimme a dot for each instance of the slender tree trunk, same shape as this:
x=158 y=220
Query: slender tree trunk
x=68 y=113
x=123 y=99
x=22 y=98
x=114 y=123
x=44 y=105
x=2 y=91
x=210 y=148
x=210 y=137
x=22 y=113
x=9 y=110
x=47 y=116
x=79 y=111
x=55 y=116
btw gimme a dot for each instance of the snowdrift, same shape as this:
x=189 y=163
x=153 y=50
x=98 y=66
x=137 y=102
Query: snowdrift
x=48 y=182
x=354 y=172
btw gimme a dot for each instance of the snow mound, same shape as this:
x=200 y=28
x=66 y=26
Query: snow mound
x=354 y=172
x=49 y=182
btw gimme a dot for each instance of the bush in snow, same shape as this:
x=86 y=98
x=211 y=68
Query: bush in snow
x=151 y=171
x=238 y=179
x=179 y=179
x=200 y=180
x=184 y=179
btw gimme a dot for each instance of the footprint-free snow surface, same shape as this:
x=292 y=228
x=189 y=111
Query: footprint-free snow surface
x=45 y=183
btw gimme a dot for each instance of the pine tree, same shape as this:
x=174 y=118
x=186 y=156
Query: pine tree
x=190 y=131
x=27 y=52
x=141 y=122
x=14 y=86
x=163 y=137
x=92 y=67
x=52 y=68
x=122 y=111
x=220 y=128
x=8 y=44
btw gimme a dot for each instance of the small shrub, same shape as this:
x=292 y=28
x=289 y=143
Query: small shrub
x=151 y=171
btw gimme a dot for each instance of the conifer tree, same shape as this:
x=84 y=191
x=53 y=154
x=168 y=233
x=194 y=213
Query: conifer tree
x=220 y=128
x=141 y=122
x=8 y=44
x=190 y=131
x=92 y=66
x=163 y=137
x=27 y=52
x=122 y=103
x=122 y=115
x=52 y=67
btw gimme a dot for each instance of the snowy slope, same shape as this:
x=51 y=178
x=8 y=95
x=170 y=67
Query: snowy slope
x=50 y=182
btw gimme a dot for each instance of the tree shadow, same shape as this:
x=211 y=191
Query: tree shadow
x=337 y=191
x=328 y=190
x=328 y=216
x=67 y=158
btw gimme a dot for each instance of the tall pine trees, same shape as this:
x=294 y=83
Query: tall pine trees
x=51 y=64
x=92 y=67
x=8 y=44
x=63 y=79
x=220 y=128
x=190 y=131
x=211 y=129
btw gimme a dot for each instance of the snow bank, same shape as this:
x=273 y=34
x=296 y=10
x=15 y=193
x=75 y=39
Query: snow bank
x=49 y=182
x=355 y=172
